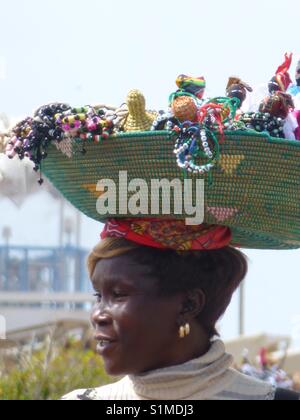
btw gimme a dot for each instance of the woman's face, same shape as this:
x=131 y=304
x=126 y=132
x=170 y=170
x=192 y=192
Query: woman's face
x=136 y=329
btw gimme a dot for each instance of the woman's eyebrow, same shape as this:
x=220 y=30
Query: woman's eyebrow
x=113 y=280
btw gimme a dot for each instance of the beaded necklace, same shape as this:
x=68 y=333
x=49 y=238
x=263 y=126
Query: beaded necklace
x=197 y=140
x=188 y=148
x=55 y=123
x=263 y=122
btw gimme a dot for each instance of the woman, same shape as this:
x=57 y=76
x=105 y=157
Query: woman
x=156 y=314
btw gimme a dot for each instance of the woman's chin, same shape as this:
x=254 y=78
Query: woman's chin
x=113 y=367
x=110 y=359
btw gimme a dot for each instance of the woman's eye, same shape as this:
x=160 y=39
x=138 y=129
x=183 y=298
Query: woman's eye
x=119 y=294
x=98 y=297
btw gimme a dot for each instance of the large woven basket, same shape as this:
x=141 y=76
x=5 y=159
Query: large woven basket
x=254 y=189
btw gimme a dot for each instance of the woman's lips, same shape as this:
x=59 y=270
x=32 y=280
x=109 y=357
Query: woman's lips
x=105 y=344
x=105 y=348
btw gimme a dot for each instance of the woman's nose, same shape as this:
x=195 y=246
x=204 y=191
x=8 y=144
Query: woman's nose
x=100 y=315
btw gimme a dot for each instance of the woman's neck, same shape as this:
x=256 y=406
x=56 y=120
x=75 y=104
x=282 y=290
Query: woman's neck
x=198 y=378
x=196 y=345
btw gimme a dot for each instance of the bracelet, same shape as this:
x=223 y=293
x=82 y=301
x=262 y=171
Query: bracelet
x=188 y=148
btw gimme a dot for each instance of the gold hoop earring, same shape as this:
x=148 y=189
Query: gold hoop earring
x=184 y=331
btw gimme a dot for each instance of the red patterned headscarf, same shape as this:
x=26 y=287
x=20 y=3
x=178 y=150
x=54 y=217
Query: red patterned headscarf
x=168 y=234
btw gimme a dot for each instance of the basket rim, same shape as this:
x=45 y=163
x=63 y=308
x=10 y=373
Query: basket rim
x=142 y=137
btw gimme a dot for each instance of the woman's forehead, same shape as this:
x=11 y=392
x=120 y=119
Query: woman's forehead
x=122 y=268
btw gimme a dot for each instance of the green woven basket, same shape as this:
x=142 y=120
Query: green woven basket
x=254 y=188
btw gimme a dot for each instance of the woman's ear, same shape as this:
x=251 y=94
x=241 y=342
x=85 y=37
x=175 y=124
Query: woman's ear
x=193 y=303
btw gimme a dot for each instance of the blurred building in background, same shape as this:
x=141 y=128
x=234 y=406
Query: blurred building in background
x=43 y=269
x=42 y=284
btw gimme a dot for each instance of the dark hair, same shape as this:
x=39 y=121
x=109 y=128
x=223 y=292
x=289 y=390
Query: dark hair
x=218 y=273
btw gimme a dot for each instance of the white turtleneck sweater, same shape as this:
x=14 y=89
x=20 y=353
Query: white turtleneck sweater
x=209 y=377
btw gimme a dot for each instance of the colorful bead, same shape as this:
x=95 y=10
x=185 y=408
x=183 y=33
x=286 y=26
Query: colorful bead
x=56 y=123
x=263 y=122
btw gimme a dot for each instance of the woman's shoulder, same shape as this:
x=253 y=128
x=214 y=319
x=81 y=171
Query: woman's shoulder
x=247 y=388
x=254 y=389
x=116 y=391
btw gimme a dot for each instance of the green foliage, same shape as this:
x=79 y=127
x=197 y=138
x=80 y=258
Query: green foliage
x=50 y=373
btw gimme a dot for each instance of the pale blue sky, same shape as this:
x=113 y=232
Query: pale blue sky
x=96 y=51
